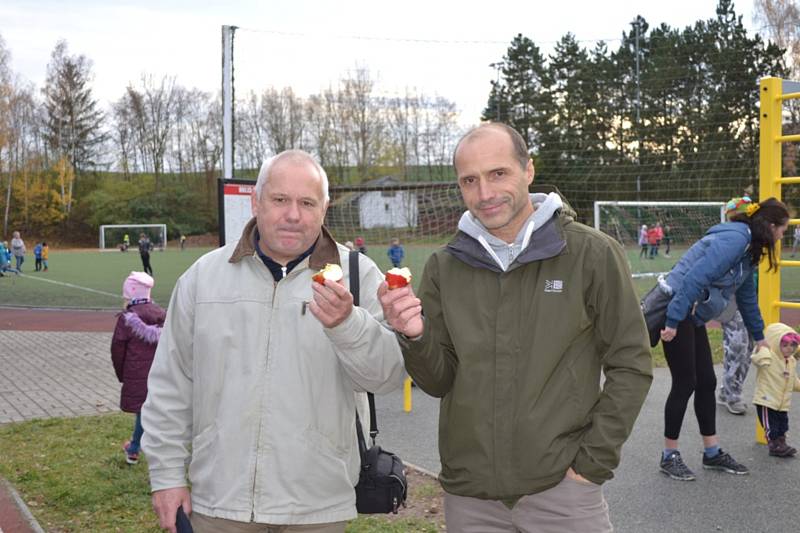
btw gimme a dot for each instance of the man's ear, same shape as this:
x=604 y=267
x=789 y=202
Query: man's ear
x=530 y=171
x=254 y=202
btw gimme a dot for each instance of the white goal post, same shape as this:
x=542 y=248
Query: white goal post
x=599 y=203
x=159 y=242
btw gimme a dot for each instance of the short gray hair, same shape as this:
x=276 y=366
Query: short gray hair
x=518 y=145
x=295 y=155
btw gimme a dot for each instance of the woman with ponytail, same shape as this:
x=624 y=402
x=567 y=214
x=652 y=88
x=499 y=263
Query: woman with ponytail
x=716 y=269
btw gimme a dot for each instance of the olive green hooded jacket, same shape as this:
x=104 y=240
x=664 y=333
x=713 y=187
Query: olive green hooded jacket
x=517 y=356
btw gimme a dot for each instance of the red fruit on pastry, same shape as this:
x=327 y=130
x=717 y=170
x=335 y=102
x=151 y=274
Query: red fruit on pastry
x=329 y=272
x=398 y=277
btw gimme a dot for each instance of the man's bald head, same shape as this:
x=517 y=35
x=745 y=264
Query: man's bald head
x=518 y=146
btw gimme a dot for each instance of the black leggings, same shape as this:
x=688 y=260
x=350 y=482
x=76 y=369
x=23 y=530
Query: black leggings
x=689 y=359
x=146 y=263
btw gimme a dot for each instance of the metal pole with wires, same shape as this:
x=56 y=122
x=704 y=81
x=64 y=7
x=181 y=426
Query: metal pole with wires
x=497 y=65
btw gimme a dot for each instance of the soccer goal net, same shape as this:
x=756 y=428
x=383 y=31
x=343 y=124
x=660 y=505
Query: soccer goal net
x=656 y=234
x=124 y=236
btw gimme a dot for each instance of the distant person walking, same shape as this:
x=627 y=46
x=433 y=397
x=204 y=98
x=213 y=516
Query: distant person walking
x=183 y=241
x=18 y=250
x=795 y=240
x=145 y=247
x=132 y=349
x=667 y=240
x=396 y=253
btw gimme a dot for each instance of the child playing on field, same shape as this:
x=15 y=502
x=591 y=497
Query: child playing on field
x=775 y=381
x=396 y=253
x=361 y=245
x=643 y=241
x=132 y=349
x=45 y=255
x=37 y=255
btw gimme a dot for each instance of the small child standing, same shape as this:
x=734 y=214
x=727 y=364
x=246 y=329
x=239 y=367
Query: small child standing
x=643 y=241
x=37 y=255
x=132 y=349
x=45 y=255
x=775 y=381
x=396 y=253
x=361 y=245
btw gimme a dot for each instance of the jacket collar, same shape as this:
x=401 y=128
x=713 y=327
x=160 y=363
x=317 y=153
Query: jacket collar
x=545 y=243
x=325 y=251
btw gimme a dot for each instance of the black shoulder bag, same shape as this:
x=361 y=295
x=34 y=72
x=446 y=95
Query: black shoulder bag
x=382 y=485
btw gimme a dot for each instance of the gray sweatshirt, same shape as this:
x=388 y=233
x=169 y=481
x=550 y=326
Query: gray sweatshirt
x=544 y=205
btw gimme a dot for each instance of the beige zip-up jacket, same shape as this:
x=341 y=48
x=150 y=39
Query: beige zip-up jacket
x=252 y=393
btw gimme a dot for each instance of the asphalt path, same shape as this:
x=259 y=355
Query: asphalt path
x=641 y=499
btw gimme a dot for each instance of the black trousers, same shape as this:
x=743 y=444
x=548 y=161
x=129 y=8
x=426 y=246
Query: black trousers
x=775 y=423
x=689 y=359
x=146 y=263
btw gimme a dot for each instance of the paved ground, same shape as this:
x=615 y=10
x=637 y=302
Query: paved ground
x=641 y=499
x=53 y=374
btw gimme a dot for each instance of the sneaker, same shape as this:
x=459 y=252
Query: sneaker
x=723 y=461
x=736 y=407
x=130 y=458
x=674 y=467
x=721 y=398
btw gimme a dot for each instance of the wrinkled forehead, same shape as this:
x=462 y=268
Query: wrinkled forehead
x=295 y=175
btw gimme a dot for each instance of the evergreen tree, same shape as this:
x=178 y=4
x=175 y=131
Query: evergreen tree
x=522 y=91
x=73 y=122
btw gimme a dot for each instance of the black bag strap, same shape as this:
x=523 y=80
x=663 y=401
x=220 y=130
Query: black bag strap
x=355 y=290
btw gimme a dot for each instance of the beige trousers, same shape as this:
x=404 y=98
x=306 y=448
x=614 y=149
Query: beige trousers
x=206 y=524
x=570 y=506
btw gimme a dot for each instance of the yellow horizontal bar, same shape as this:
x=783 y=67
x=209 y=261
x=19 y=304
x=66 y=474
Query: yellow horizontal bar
x=793 y=179
x=789 y=96
x=788 y=138
x=788 y=263
x=788 y=305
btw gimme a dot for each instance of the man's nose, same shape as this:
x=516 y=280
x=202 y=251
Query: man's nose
x=293 y=211
x=484 y=190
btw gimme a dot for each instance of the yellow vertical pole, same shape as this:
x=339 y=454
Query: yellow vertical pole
x=761 y=437
x=407 y=395
x=769 y=284
x=770 y=128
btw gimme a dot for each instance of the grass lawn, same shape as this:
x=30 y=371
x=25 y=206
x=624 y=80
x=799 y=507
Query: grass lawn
x=93 y=280
x=72 y=474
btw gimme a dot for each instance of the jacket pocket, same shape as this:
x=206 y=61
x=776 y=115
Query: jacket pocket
x=712 y=305
x=330 y=464
x=201 y=467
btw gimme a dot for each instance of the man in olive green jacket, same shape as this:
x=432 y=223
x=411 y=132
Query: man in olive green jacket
x=523 y=309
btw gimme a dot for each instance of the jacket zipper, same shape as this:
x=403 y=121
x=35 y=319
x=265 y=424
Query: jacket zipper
x=261 y=418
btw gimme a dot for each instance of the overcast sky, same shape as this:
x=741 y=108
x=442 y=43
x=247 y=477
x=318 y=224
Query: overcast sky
x=439 y=47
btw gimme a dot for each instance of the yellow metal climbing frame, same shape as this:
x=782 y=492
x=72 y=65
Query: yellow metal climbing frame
x=773 y=92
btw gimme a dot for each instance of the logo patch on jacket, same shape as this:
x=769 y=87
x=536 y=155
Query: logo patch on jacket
x=553 y=285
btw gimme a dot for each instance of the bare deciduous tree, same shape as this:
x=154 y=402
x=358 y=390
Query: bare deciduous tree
x=153 y=111
x=780 y=20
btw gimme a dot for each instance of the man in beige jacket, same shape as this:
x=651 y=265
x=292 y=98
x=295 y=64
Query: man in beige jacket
x=260 y=370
